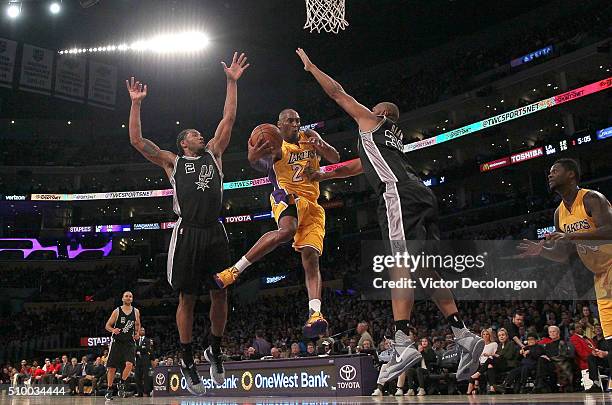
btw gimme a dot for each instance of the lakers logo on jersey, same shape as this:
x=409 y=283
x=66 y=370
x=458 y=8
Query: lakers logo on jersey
x=288 y=172
x=576 y=226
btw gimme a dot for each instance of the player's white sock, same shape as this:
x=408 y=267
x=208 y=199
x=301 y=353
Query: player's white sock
x=315 y=305
x=242 y=264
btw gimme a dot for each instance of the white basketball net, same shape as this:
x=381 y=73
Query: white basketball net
x=326 y=15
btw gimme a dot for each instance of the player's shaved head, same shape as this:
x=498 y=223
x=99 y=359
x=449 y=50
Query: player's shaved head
x=287 y=111
x=387 y=109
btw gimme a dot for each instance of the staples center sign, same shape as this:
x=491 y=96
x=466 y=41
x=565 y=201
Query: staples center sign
x=95 y=341
x=512 y=159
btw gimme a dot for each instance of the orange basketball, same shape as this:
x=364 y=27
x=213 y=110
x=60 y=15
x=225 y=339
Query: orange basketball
x=269 y=132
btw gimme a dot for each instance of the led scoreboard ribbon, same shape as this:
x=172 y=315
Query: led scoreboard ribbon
x=425 y=143
x=511 y=115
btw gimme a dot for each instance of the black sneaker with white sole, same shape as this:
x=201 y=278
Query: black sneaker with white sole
x=194 y=384
x=109 y=395
x=217 y=371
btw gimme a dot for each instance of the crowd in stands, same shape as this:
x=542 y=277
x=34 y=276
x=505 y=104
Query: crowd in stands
x=532 y=346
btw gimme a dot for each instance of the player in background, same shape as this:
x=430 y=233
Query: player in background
x=583 y=227
x=123 y=323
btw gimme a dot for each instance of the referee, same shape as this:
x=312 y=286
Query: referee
x=123 y=323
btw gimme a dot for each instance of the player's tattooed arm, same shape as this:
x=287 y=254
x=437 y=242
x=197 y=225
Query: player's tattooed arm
x=147 y=148
x=365 y=118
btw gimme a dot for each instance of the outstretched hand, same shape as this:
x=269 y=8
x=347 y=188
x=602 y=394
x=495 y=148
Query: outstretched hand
x=262 y=149
x=137 y=90
x=530 y=249
x=239 y=65
x=305 y=59
x=312 y=174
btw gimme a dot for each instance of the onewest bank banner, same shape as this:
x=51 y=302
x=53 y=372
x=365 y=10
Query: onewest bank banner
x=313 y=376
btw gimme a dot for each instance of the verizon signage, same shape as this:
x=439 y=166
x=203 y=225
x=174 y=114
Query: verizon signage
x=512 y=159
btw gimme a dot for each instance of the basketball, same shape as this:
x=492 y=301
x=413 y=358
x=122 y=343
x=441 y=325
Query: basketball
x=270 y=132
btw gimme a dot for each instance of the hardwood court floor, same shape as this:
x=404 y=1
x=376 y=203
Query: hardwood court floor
x=566 y=399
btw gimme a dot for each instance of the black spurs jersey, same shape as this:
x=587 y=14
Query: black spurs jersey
x=198 y=189
x=127 y=324
x=382 y=156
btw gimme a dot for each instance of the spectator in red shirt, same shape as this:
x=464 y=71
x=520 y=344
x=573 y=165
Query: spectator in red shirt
x=583 y=345
x=49 y=369
x=37 y=375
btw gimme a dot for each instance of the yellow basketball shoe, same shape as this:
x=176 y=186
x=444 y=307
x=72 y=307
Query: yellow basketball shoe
x=315 y=325
x=227 y=277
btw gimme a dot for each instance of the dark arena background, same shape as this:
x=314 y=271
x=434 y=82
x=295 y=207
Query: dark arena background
x=490 y=94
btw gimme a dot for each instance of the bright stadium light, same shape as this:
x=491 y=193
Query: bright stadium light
x=55 y=7
x=185 y=42
x=13 y=10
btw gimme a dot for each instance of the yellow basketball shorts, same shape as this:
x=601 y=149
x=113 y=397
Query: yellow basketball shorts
x=311 y=222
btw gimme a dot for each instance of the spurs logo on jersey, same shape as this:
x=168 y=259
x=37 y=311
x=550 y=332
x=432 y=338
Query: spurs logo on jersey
x=128 y=325
x=206 y=174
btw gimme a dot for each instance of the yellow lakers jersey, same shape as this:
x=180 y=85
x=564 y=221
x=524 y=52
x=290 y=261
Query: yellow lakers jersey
x=598 y=259
x=289 y=170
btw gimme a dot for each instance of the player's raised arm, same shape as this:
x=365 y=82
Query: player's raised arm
x=352 y=168
x=365 y=118
x=148 y=149
x=324 y=149
x=219 y=143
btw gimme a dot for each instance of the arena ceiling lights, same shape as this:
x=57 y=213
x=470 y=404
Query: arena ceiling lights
x=183 y=42
x=13 y=9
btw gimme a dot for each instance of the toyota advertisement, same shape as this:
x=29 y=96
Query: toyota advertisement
x=318 y=376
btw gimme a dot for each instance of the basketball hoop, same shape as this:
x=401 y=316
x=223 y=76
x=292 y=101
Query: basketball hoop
x=327 y=15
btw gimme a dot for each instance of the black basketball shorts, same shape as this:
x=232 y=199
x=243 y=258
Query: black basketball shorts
x=408 y=211
x=119 y=353
x=195 y=255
